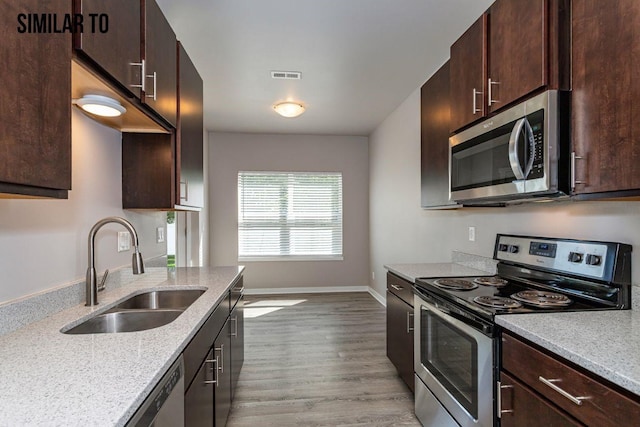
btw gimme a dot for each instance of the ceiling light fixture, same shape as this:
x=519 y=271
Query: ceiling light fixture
x=100 y=105
x=289 y=109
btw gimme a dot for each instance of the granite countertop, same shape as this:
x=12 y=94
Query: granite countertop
x=49 y=378
x=606 y=343
x=462 y=265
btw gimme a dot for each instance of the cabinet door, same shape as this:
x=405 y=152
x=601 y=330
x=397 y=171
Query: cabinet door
x=434 y=139
x=517 y=50
x=523 y=408
x=198 y=399
x=35 y=104
x=400 y=337
x=236 y=320
x=606 y=95
x=161 y=63
x=468 y=75
x=222 y=393
x=189 y=171
x=119 y=47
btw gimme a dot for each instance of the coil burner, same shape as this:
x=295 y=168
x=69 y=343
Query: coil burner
x=542 y=298
x=497 y=302
x=455 y=284
x=490 y=281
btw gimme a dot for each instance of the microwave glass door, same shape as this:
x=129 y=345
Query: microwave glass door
x=487 y=160
x=451 y=356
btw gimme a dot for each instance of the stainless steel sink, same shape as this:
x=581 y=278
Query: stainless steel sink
x=125 y=321
x=140 y=312
x=172 y=299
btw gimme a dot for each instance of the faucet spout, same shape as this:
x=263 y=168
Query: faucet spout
x=136 y=262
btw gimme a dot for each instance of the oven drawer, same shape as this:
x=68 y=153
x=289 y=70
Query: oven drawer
x=580 y=394
x=400 y=288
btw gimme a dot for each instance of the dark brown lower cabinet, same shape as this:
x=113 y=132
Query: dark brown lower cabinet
x=400 y=337
x=236 y=319
x=198 y=400
x=222 y=389
x=523 y=408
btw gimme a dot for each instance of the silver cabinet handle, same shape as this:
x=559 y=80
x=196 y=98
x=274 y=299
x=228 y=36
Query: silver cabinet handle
x=574 y=157
x=154 y=76
x=397 y=288
x=409 y=322
x=221 y=363
x=500 y=410
x=215 y=369
x=143 y=72
x=514 y=139
x=490 y=100
x=186 y=190
x=234 y=319
x=475 y=108
x=550 y=384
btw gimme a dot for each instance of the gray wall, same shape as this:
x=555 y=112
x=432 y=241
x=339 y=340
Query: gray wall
x=233 y=152
x=43 y=243
x=400 y=231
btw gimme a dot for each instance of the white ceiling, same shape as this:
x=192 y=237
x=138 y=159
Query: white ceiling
x=359 y=58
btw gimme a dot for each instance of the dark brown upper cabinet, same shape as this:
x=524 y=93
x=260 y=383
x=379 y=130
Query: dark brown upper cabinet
x=165 y=171
x=468 y=75
x=159 y=53
x=35 y=105
x=516 y=48
x=189 y=162
x=606 y=98
x=435 y=106
x=116 y=51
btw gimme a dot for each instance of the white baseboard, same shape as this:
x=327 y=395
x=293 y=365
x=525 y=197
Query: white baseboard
x=305 y=290
x=317 y=290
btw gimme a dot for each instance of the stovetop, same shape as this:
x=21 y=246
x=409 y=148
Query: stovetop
x=466 y=297
x=573 y=275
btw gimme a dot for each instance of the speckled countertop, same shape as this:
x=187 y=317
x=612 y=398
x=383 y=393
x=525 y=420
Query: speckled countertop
x=606 y=343
x=50 y=379
x=462 y=265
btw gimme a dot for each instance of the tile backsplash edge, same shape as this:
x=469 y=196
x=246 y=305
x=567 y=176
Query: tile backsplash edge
x=474 y=261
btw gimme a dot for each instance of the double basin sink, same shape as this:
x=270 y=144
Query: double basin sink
x=140 y=312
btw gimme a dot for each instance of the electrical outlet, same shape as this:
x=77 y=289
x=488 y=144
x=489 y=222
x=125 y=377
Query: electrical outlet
x=124 y=241
x=160 y=235
x=472 y=234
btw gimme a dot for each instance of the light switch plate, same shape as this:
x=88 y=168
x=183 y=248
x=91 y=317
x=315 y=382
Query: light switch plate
x=160 y=235
x=472 y=234
x=124 y=241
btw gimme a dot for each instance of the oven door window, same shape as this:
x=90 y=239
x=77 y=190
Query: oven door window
x=451 y=356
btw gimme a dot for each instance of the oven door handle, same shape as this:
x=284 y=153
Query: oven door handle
x=468 y=325
x=514 y=142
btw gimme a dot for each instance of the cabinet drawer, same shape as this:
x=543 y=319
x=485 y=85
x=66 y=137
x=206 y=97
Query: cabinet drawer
x=199 y=346
x=400 y=288
x=587 y=398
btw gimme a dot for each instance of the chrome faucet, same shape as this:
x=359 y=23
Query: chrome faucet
x=136 y=261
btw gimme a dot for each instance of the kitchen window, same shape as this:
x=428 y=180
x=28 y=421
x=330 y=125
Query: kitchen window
x=289 y=216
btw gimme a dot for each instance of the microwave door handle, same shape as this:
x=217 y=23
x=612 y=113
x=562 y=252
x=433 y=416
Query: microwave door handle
x=514 y=140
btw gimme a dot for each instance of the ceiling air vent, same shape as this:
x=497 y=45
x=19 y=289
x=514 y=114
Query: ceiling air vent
x=286 y=75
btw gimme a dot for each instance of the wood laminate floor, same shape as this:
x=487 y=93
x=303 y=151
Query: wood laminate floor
x=318 y=360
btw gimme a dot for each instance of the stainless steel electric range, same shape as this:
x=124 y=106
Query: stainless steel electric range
x=456 y=342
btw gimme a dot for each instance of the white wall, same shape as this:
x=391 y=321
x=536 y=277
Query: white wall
x=400 y=231
x=43 y=243
x=230 y=153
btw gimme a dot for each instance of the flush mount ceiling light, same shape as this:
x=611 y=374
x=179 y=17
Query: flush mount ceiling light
x=289 y=109
x=100 y=105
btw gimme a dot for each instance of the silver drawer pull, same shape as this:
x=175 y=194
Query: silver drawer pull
x=214 y=369
x=409 y=322
x=550 y=383
x=397 y=288
x=500 y=410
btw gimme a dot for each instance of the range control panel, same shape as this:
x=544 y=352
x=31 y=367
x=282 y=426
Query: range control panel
x=568 y=256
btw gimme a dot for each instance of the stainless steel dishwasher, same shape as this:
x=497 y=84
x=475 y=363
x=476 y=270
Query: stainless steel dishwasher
x=164 y=407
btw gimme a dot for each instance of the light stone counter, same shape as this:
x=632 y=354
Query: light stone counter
x=462 y=265
x=51 y=379
x=606 y=343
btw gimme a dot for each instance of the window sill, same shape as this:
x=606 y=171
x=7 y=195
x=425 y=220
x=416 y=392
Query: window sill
x=291 y=258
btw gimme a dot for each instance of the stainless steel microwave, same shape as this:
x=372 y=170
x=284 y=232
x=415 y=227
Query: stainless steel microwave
x=516 y=155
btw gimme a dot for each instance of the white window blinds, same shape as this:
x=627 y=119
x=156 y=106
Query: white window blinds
x=293 y=215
